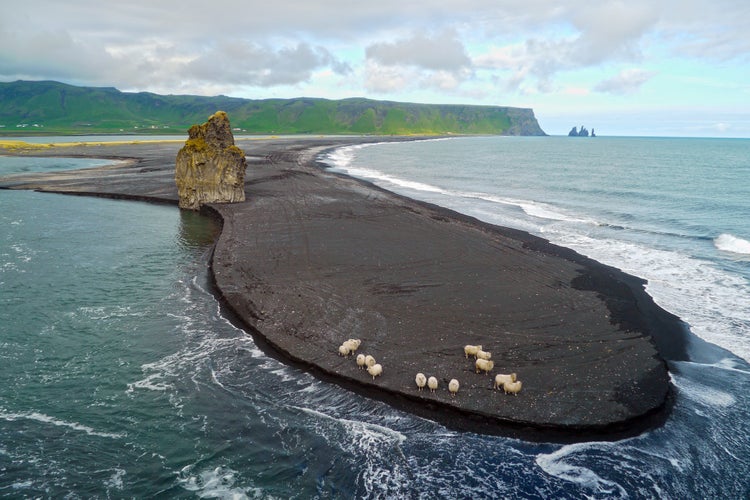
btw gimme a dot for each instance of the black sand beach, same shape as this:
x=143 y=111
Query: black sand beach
x=313 y=258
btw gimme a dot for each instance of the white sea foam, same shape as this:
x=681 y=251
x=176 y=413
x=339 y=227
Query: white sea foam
x=545 y=211
x=385 y=471
x=152 y=382
x=46 y=419
x=115 y=481
x=218 y=482
x=342 y=157
x=733 y=244
x=712 y=301
x=703 y=394
x=374 y=430
x=559 y=464
x=101 y=313
x=392 y=180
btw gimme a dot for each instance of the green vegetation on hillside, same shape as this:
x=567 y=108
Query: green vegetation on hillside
x=55 y=108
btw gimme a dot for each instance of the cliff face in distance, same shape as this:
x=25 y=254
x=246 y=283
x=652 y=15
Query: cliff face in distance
x=210 y=168
x=52 y=107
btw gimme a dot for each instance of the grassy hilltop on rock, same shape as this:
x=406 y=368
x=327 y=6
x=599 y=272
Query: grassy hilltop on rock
x=47 y=107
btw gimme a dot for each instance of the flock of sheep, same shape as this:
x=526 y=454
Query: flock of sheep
x=483 y=363
x=350 y=346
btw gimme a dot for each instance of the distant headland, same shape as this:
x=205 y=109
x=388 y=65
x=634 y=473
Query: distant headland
x=49 y=108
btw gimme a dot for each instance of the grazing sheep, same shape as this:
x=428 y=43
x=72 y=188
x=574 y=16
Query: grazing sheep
x=361 y=361
x=369 y=361
x=344 y=350
x=483 y=354
x=501 y=378
x=352 y=344
x=512 y=387
x=471 y=350
x=453 y=387
x=375 y=370
x=421 y=380
x=432 y=383
x=485 y=365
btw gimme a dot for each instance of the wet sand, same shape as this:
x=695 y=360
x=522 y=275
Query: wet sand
x=313 y=258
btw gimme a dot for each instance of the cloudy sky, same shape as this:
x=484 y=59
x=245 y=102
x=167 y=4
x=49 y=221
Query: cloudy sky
x=632 y=67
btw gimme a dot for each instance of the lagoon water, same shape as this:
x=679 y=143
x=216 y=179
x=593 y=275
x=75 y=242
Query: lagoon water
x=121 y=377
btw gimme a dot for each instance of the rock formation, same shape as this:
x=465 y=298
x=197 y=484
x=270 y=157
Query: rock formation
x=210 y=168
x=583 y=132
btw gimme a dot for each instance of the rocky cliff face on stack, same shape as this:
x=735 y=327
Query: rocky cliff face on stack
x=210 y=168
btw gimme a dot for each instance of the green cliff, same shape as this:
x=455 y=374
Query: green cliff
x=52 y=107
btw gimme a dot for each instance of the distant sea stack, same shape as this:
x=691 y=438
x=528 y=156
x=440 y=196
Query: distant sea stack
x=583 y=132
x=210 y=168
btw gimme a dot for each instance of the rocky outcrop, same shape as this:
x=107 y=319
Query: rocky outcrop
x=210 y=168
x=583 y=132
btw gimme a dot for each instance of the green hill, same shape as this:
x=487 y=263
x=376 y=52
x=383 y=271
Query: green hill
x=46 y=107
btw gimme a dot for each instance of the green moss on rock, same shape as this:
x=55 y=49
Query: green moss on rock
x=210 y=168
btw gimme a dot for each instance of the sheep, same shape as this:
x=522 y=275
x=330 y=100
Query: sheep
x=432 y=383
x=375 y=370
x=421 y=380
x=369 y=361
x=352 y=344
x=453 y=387
x=501 y=378
x=361 y=361
x=512 y=387
x=471 y=350
x=344 y=350
x=483 y=354
x=484 y=365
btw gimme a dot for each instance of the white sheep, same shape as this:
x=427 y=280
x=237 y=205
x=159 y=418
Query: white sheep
x=375 y=370
x=421 y=380
x=361 y=361
x=483 y=354
x=512 y=387
x=471 y=350
x=453 y=387
x=432 y=383
x=501 y=378
x=344 y=350
x=369 y=361
x=485 y=365
x=352 y=344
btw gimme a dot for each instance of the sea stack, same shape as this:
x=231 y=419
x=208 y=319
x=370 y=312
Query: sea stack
x=210 y=168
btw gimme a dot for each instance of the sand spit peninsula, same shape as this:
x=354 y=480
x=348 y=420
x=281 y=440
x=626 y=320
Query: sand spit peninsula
x=313 y=259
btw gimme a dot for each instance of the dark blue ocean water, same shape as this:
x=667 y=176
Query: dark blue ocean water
x=122 y=378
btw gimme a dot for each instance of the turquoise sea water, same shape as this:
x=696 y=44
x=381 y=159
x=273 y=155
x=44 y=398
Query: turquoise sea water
x=121 y=377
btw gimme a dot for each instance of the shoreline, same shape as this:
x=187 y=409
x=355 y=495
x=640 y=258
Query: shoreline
x=322 y=285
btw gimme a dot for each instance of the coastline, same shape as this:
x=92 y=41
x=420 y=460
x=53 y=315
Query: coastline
x=316 y=257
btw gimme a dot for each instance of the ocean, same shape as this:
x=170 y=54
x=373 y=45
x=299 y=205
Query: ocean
x=122 y=377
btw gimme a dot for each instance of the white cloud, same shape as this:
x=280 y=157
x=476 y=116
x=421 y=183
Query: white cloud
x=443 y=52
x=493 y=51
x=253 y=64
x=384 y=79
x=436 y=62
x=626 y=82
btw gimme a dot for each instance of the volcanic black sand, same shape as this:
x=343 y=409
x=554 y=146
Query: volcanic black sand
x=313 y=258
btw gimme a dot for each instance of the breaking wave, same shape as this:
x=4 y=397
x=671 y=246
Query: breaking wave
x=730 y=243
